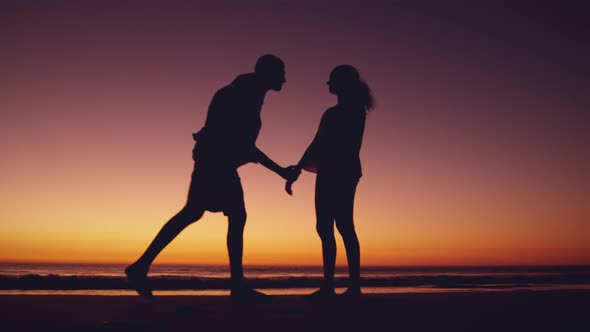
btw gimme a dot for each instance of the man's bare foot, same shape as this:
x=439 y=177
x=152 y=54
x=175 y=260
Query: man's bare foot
x=324 y=294
x=138 y=280
x=247 y=294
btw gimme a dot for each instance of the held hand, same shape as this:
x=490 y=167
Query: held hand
x=288 y=188
x=295 y=172
x=290 y=173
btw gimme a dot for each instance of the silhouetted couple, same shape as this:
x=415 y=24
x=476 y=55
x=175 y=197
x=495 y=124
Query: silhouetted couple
x=227 y=141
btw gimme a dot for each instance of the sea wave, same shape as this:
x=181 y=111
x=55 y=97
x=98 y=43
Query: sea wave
x=164 y=282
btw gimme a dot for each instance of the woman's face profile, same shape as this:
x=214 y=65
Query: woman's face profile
x=332 y=84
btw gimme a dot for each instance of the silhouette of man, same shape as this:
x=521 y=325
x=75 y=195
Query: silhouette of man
x=226 y=142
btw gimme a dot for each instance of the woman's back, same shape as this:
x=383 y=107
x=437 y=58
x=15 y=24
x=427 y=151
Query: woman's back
x=339 y=141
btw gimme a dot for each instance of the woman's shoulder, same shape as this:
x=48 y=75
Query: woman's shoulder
x=330 y=112
x=346 y=112
x=332 y=109
x=339 y=114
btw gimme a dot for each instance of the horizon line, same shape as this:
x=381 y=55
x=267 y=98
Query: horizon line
x=299 y=265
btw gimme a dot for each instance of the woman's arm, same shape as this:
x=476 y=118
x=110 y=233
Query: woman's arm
x=309 y=160
x=308 y=156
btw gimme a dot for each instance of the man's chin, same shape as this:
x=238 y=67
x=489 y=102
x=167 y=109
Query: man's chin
x=277 y=88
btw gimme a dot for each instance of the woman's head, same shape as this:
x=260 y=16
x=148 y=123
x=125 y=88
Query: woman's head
x=346 y=83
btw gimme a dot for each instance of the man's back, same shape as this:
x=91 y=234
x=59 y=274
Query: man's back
x=233 y=122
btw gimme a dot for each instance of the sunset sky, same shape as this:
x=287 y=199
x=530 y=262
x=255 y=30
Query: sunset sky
x=477 y=152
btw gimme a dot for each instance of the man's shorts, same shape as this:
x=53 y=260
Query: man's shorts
x=216 y=189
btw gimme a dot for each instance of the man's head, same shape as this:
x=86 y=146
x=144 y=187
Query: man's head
x=272 y=71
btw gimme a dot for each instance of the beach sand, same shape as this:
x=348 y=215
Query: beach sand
x=465 y=311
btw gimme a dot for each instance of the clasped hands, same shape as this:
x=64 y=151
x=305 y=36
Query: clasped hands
x=291 y=174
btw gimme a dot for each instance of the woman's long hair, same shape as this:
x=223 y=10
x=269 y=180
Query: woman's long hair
x=349 y=83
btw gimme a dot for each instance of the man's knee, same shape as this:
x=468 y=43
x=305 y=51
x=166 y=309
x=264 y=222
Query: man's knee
x=190 y=214
x=237 y=219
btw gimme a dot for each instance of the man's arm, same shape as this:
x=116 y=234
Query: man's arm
x=285 y=173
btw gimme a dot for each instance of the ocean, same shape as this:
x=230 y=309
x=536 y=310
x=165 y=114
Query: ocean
x=109 y=279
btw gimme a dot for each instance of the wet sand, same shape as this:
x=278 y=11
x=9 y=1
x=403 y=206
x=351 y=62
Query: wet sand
x=559 y=310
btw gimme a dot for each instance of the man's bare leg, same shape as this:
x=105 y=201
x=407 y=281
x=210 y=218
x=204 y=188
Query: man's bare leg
x=235 y=247
x=137 y=272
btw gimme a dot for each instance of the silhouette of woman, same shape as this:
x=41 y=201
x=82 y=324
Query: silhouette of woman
x=334 y=156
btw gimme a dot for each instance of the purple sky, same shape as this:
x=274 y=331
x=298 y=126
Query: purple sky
x=482 y=110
